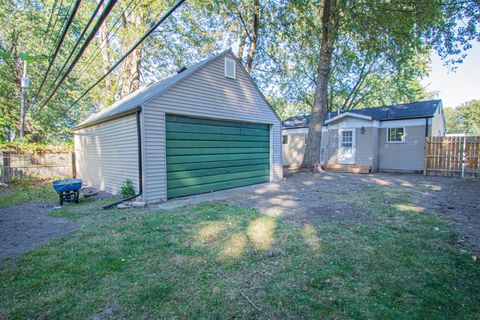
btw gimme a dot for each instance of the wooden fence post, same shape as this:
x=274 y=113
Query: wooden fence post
x=73 y=169
x=427 y=141
x=463 y=156
x=2 y=170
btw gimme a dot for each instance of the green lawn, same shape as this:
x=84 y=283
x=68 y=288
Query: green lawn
x=217 y=261
x=27 y=190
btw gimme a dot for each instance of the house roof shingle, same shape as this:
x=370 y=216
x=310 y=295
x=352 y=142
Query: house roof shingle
x=421 y=109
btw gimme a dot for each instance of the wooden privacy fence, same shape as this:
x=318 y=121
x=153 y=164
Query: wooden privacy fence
x=17 y=165
x=452 y=156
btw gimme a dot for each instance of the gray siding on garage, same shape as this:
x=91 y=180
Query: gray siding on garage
x=408 y=156
x=107 y=153
x=206 y=93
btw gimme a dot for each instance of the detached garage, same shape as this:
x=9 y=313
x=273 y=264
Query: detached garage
x=204 y=129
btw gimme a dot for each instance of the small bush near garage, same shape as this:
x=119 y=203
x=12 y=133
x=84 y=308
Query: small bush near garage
x=126 y=190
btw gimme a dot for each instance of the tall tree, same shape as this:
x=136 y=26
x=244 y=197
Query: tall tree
x=402 y=28
x=331 y=13
x=464 y=118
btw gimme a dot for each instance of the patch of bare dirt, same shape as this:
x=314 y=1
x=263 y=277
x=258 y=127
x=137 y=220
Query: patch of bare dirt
x=459 y=202
x=306 y=196
x=331 y=196
x=26 y=226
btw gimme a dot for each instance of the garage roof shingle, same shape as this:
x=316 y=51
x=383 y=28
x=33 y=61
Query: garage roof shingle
x=137 y=98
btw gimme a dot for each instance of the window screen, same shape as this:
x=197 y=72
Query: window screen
x=347 y=139
x=395 y=135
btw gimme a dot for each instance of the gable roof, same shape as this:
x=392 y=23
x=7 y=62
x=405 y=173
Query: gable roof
x=347 y=114
x=420 y=109
x=135 y=99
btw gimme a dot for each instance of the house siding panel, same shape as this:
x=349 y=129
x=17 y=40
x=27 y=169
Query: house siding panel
x=438 y=124
x=375 y=151
x=207 y=93
x=293 y=151
x=332 y=146
x=365 y=152
x=408 y=156
x=366 y=146
x=107 y=153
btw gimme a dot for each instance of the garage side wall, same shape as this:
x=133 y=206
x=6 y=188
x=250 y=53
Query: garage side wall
x=107 y=153
x=207 y=93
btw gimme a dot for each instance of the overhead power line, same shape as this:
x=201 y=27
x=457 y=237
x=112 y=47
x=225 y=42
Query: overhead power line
x=148 y=33
x=106 y=11
x=60 y=42
x=56 y=19
x=108 y=37
x=94 y=14
x=65 y=18
x=51 y=16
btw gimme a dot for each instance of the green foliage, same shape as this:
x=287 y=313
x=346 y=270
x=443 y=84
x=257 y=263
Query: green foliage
x=380 y=56
x=35 y=148
x=464 y=119
x=288 y=108
x=24 y=29
x=126 y=189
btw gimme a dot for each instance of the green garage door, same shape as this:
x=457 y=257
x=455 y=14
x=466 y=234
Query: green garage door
x=209 y=155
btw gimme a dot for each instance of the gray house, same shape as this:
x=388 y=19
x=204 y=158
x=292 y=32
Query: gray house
x=204 y=129
x=389 y=138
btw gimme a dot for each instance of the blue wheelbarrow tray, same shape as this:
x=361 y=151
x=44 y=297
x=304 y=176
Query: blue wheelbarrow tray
x=67 y=189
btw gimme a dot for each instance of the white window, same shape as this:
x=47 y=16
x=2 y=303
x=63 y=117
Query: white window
x=347 y=139
x=229 y=68
x=395 y=135
x=285 y=139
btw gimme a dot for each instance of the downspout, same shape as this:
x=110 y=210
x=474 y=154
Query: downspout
x=140 y=168
x=426 y=127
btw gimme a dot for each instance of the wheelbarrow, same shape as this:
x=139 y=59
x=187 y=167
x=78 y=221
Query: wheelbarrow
x=67 y=189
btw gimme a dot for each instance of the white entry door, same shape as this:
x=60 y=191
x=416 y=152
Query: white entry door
x=346 y=146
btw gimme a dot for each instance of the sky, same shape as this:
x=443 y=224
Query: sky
x=455 y=87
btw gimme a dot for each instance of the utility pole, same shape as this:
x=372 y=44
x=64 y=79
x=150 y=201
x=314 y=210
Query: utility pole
x=24 y=84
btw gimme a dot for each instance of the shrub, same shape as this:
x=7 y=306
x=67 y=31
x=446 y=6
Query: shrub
x=126 y=189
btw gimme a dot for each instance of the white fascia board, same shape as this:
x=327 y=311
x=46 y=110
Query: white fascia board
x=402 y=123
x=300 y=130
x=348 y=114
x=352 y=123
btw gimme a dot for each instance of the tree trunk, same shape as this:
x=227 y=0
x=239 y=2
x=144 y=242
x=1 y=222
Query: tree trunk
x=254 y=36
x=105 y=45
x=241 y=46
x=312 y=158
x=133 y=63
